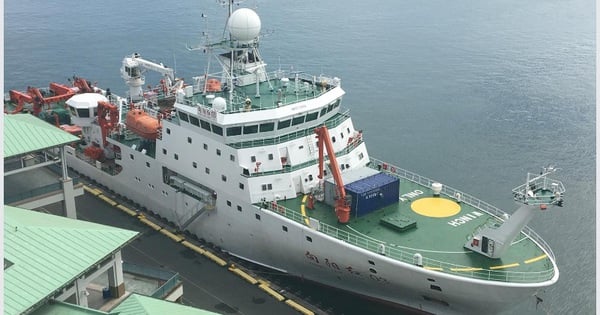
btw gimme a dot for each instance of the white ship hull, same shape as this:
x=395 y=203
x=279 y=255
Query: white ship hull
x=257 y=235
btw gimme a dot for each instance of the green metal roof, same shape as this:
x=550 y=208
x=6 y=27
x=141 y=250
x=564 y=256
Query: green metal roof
x=24 y=133
x=48 y=251
x=143 y=305
x=62 y=308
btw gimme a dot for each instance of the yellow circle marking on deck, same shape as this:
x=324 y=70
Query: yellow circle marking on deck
x=435 y=207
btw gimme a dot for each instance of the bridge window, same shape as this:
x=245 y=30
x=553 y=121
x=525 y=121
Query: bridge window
x=284 y=228
x=253 y=158
x=83 y=112
x=323 y=111
x=312 y=116
x=168 y=131
x=239 y=208
x=176 y=156
x=189 y=139
x=224 y=178
x=372 y=262
x=250 y=129
x=270 y=156
x=183 y=116
x=241 y=186
x=234 y=131
x=205 y=146
x=205 y=125
x=194 y=121
x=267 y=127
x=361 y=156
x=131 y=156
x=147 y=164
x=229 y=203
x=219 y=152
x=257 y=216
x=207 y=170
x=284 y=123
x=308 y=238
x=165 y=151
x=195 y=165
x=217 y=130
x=297 y=120
x=372 y=270
x=435 y=287
x=333 y=139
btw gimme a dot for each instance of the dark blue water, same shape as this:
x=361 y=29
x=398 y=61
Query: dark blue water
x=470 y=93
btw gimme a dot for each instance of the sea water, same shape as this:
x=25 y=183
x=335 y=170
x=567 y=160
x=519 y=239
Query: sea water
x=470 y=93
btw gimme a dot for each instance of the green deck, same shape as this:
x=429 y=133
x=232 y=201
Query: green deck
x=439 y=243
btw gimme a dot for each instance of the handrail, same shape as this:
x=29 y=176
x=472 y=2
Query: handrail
x=428 y=263
x=465 y=198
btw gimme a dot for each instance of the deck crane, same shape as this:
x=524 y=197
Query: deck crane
x=342 y=205
x=132 y=72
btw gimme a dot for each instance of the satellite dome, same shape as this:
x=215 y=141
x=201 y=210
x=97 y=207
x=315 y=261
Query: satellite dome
x=219 y=104
x=244 y=25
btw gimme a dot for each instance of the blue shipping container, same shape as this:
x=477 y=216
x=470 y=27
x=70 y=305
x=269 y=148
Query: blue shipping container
x=372 y=193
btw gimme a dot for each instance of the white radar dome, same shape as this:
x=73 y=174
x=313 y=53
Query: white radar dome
x=244 y=25
x=219 y=104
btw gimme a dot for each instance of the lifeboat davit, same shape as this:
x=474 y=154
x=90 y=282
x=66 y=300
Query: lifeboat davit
x=143 y=124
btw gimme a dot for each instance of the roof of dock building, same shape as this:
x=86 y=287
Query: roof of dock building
x=25 y=133
x=43 y=253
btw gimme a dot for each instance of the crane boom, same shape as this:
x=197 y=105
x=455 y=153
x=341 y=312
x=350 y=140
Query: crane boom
x=342 y=207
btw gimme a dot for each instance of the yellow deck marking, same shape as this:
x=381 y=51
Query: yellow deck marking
x=529 y=261
x=504 y=266
x=434 y=268
x=435 y=207
x=467 y=269
x=304 y=211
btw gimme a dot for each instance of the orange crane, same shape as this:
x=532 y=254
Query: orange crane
x=342 y=206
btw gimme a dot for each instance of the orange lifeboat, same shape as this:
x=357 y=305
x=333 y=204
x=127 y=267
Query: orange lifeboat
x=213 y=85
x=142 y=124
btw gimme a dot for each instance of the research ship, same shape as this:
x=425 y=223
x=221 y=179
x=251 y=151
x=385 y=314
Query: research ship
x=269 y=167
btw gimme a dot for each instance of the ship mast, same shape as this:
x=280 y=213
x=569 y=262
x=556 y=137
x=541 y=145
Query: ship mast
x=538 y=192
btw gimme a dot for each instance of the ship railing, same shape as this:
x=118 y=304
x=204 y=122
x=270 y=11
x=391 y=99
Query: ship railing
x=330 y=123
x=302 y=86
x=408 y=256
x=457 y=194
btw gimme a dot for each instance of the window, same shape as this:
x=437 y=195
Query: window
x=217 y=130
x=189 y=140
x=257 y=216
x=333 y=139
x=205 y=125
x=241 y=186
x=372 y=270
x=284 y=228
x=131 y=156
x=183 y=116
x=234 y=131
x=205 y=146
x=297 y=120
x=194 y=121
x=361 y=156
x=232 y=157
x=284 y=123
x=239 y=208
x=267 y=127
x=435 y=287
x=229 y=203
x=224 y=178
x=271 y=156
x=253 y=158
x=323 y=111
x=207 y=170
x=372 y=262
x=219 y=152
x=176 y=156
x=348 y=130
x=308 y=238
x=342 y=135
x=267 y=187
x=168 y=131
x=312 y=116
x=165 y=151
x=195 y=165
x=147 y=164
x=250 y=129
